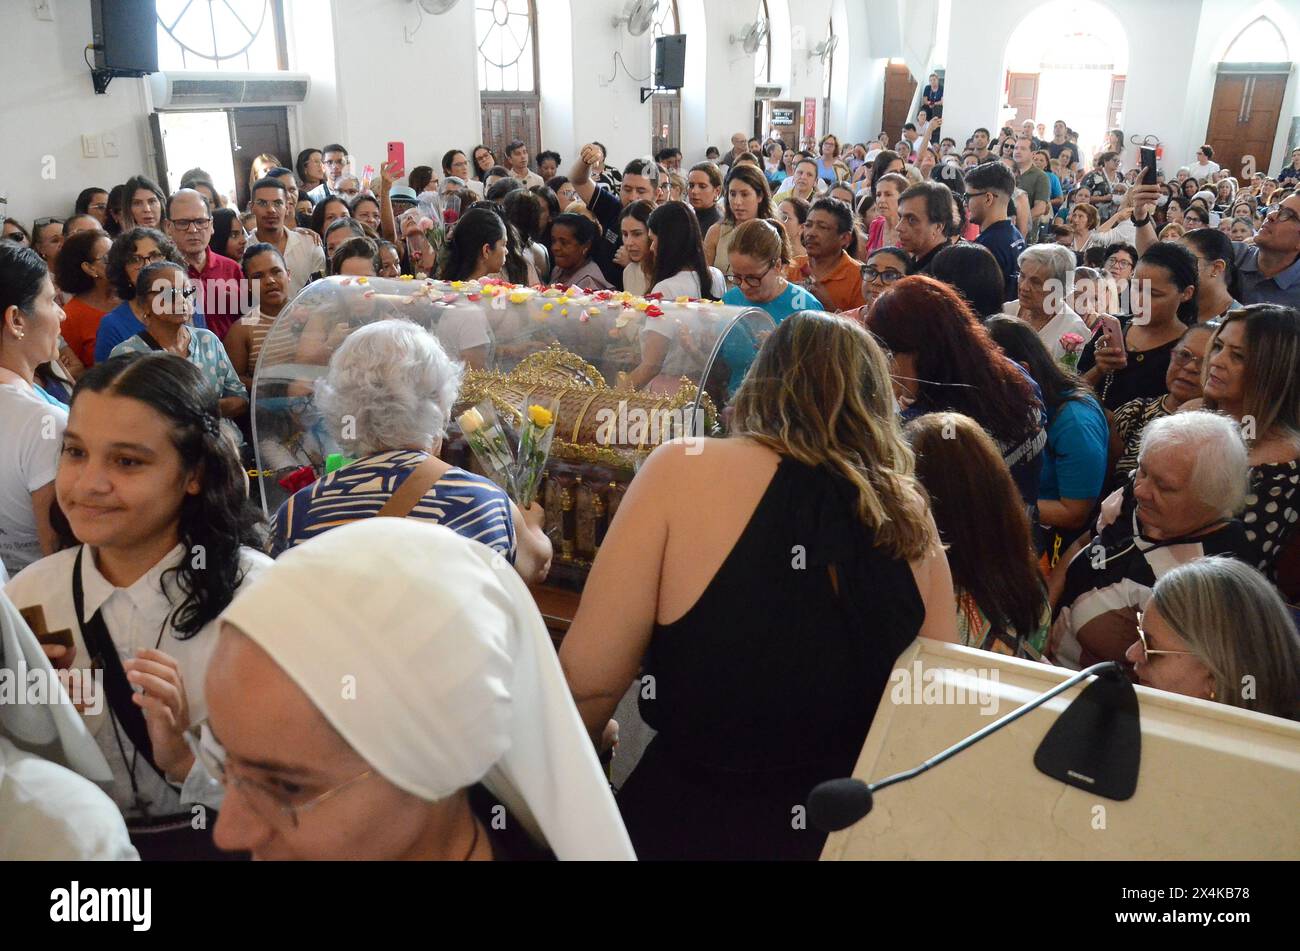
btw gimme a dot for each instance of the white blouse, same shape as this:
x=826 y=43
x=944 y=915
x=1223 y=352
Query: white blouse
x=136 y=617
x=31 y=438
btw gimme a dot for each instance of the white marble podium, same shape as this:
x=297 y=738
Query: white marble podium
x=1215 y=782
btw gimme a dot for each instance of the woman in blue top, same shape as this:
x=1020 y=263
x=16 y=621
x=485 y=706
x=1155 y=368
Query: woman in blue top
x=1078 y=437
x=758 y=258
x=387 y=399
x=829 y=154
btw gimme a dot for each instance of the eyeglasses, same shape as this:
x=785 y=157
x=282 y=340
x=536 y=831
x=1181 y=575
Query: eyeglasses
x=1147 y=651
x=273 y=808
x=175 y=295
x=143 y=260
x=1283 y=215
x=887 y=276
x=749 y=280
x=1184 y=357
x=42 y=222
x=190 y=224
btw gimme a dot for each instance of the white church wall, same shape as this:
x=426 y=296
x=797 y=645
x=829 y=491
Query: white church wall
x=49 y=104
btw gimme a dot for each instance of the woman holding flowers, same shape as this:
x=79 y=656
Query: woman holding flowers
x=387 y=399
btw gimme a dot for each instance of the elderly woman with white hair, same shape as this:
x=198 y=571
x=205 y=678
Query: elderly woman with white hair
x=387 y=399
x=388 y=693
x=1044 y=294
x=1216 y=629
x=1191 y=481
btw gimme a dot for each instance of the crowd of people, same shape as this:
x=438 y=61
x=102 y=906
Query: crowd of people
x=1017 y=398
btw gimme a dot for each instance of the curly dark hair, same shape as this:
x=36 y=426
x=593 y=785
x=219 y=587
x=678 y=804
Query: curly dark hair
x=219 y=519
x=76 y=251
x=123 y=249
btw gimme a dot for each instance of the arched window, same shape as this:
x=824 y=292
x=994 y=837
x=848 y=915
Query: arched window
x=244 y=35
x=1260 y=42
x=763 y=58
x=666 y=105
x=507 y=45
x=509 y=98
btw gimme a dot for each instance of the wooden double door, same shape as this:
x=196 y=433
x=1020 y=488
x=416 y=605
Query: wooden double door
x=1243 y=119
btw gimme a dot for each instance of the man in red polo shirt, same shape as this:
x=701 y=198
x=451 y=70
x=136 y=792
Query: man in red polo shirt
x=827 y=270
x=219 y=279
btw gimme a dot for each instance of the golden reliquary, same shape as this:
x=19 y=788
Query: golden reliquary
x=602 y=435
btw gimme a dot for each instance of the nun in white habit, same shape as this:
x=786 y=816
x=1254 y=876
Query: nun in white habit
x=49 y=808
x=388 y=691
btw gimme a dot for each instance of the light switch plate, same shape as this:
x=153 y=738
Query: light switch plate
x=43 y=9
x=90 y=146
x=109 y=141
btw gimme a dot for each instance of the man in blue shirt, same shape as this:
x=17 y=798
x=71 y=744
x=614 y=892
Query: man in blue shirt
x=988 y=194
x=1270 y=271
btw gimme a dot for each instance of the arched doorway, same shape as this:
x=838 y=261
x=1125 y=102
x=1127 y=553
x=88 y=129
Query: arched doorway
x=1068 y=60
x=1248 y=93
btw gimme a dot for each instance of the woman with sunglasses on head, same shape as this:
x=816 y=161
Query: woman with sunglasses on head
x=1190 y=638
x=157 y=499
x=81 y=270
x=167 y=298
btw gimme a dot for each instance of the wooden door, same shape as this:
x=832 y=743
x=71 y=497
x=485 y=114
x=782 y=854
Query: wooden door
x=777 y=116
x=900 y=88
x=510 y=117
x=254 y=131
x=1243 y=120
x=666 y=121
x=1115 y=114
x=1022 y=96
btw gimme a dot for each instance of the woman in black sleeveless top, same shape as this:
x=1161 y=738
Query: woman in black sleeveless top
x=763 y=586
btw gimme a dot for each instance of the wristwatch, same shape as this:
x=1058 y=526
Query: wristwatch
x=1141 y=222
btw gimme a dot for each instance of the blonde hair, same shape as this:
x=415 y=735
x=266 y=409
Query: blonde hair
x=820 y=392
x=761 y=240
x=1239 y=628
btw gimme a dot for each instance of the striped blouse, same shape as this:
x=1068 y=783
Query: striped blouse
x=468 y=504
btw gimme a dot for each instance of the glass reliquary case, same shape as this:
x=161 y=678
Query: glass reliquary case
x=577 y=351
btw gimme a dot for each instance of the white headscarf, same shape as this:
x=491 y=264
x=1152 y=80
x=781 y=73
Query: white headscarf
x=456 y=679
x=53 y=730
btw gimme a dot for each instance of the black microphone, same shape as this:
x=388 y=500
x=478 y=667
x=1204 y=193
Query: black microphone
x=838 y=803
x=1108 y=706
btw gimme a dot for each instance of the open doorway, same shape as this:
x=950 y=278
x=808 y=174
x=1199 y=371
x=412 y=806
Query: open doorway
x=222 y=142
x=189 y=140
x=1068 y=60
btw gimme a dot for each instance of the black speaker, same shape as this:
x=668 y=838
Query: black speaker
x=670 y=61
x=125 y=35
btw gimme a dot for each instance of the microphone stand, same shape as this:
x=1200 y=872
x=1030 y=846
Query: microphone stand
x=1106 y=667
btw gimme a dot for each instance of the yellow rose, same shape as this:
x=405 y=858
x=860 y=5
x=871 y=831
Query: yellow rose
x=541 y=416
x=470 y=421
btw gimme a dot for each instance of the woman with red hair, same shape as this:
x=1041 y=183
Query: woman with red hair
x=942 y=359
